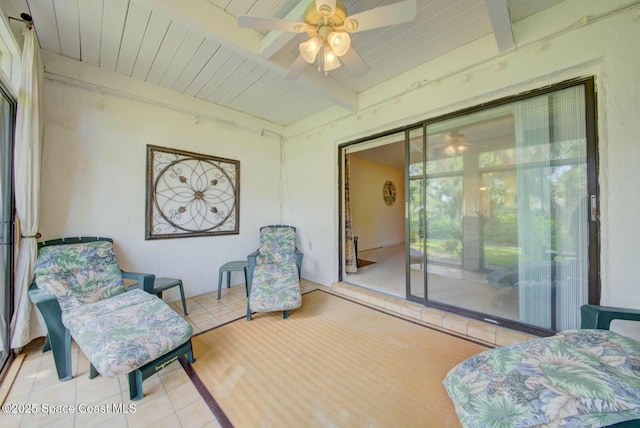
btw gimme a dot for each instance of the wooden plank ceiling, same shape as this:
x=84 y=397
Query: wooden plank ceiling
x=195 y=47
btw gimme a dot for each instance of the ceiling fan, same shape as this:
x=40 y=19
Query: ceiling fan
x=328 y=25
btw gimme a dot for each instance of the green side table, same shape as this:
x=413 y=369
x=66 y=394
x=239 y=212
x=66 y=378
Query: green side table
x=163 y=284
x=235 y=266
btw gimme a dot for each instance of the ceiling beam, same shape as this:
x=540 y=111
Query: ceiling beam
x=221 y=27
x=275 y=40
x=501 y=22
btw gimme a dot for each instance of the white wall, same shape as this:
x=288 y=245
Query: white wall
x=93 y=179
x=375 y=223
x=553 y=46
x=96 y=143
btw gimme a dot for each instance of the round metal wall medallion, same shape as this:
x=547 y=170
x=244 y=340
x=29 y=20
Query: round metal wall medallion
x=389 y=193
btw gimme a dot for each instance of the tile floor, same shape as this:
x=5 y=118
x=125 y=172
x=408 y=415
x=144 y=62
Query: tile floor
x=170 y=398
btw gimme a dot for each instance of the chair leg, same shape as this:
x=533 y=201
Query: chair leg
x=184 y=301
x=285 y=314
x=60 y=344
x=219 y=282
x=92 y=371
x=47 y=345
x=135 y=385
x=246 y=282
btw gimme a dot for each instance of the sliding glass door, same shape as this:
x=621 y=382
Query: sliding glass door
x=501 y=204
x=7 y=117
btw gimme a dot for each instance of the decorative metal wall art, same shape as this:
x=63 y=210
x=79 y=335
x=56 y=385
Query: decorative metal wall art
x=190 y=194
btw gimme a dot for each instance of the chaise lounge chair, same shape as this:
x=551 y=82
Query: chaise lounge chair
x=80 y=293
x=273 y=275
x=584 y=378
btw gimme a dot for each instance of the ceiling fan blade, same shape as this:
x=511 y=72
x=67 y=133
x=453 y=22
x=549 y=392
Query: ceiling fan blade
x=261 y=23
x=326 y=7
x=296 y=68
x=382 y=16
x=355 y=62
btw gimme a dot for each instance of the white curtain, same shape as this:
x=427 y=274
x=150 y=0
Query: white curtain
x=25 y=324
x=572 y=284
x=534 y=211
x=552 y=209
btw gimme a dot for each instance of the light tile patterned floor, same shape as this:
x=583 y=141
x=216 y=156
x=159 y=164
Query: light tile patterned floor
x=170 y=399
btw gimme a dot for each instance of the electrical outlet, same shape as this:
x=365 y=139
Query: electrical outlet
x=310 y=246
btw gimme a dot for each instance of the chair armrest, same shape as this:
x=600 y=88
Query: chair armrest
x=145 y=280
x=251 y=258
x=41 y=297
x=58 y=337
x=49 y=308
x=600 y=317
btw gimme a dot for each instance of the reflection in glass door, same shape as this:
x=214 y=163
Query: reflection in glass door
x=498 y=211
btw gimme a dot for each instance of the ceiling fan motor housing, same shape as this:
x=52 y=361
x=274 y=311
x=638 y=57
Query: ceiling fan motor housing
x=316 y=20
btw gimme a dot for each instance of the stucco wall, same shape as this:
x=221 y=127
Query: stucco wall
x=94 y=171
x=555 y=46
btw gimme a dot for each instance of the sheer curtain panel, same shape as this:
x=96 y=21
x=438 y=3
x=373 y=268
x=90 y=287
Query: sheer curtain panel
x=25 y=325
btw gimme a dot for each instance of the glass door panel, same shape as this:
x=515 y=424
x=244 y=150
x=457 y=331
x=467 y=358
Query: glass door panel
x=415 y=223
x=7 y=116
x=496 y=210
x=444 y=227
x=505 y=208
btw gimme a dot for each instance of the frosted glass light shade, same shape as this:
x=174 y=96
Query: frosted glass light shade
x=309 y=49
x=331 y=61
x=339 y=42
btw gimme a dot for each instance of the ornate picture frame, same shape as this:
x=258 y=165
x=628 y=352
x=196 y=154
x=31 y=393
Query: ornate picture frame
x=191 y=194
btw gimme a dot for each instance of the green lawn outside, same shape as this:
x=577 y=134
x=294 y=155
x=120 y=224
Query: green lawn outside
x=493 y=255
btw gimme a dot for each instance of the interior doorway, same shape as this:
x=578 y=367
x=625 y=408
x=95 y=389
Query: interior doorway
x=376 y=182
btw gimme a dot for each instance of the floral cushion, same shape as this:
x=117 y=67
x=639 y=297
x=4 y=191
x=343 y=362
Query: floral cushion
x=275 y=287
x=577 y=378
x=78 y=274
x=277 y=244
x=125 y=332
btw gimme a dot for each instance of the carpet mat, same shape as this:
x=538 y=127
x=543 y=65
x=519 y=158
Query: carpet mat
x=332 y=363
x=362 y=263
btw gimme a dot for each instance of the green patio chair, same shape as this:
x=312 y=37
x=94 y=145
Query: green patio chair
x=273 y=275
x=80 y=293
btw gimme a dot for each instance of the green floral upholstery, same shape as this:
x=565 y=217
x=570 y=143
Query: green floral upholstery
x=578 y=378
x=141 y=328
x=118 y=331
x=78 y=274
x=274 y=272
x=277 y=245
x=275 y=287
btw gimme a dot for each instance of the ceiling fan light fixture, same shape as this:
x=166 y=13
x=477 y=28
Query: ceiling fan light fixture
x=340 y=42
x=331 y=61
x=309 y=49
x=454 y=137
x=450 y=150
